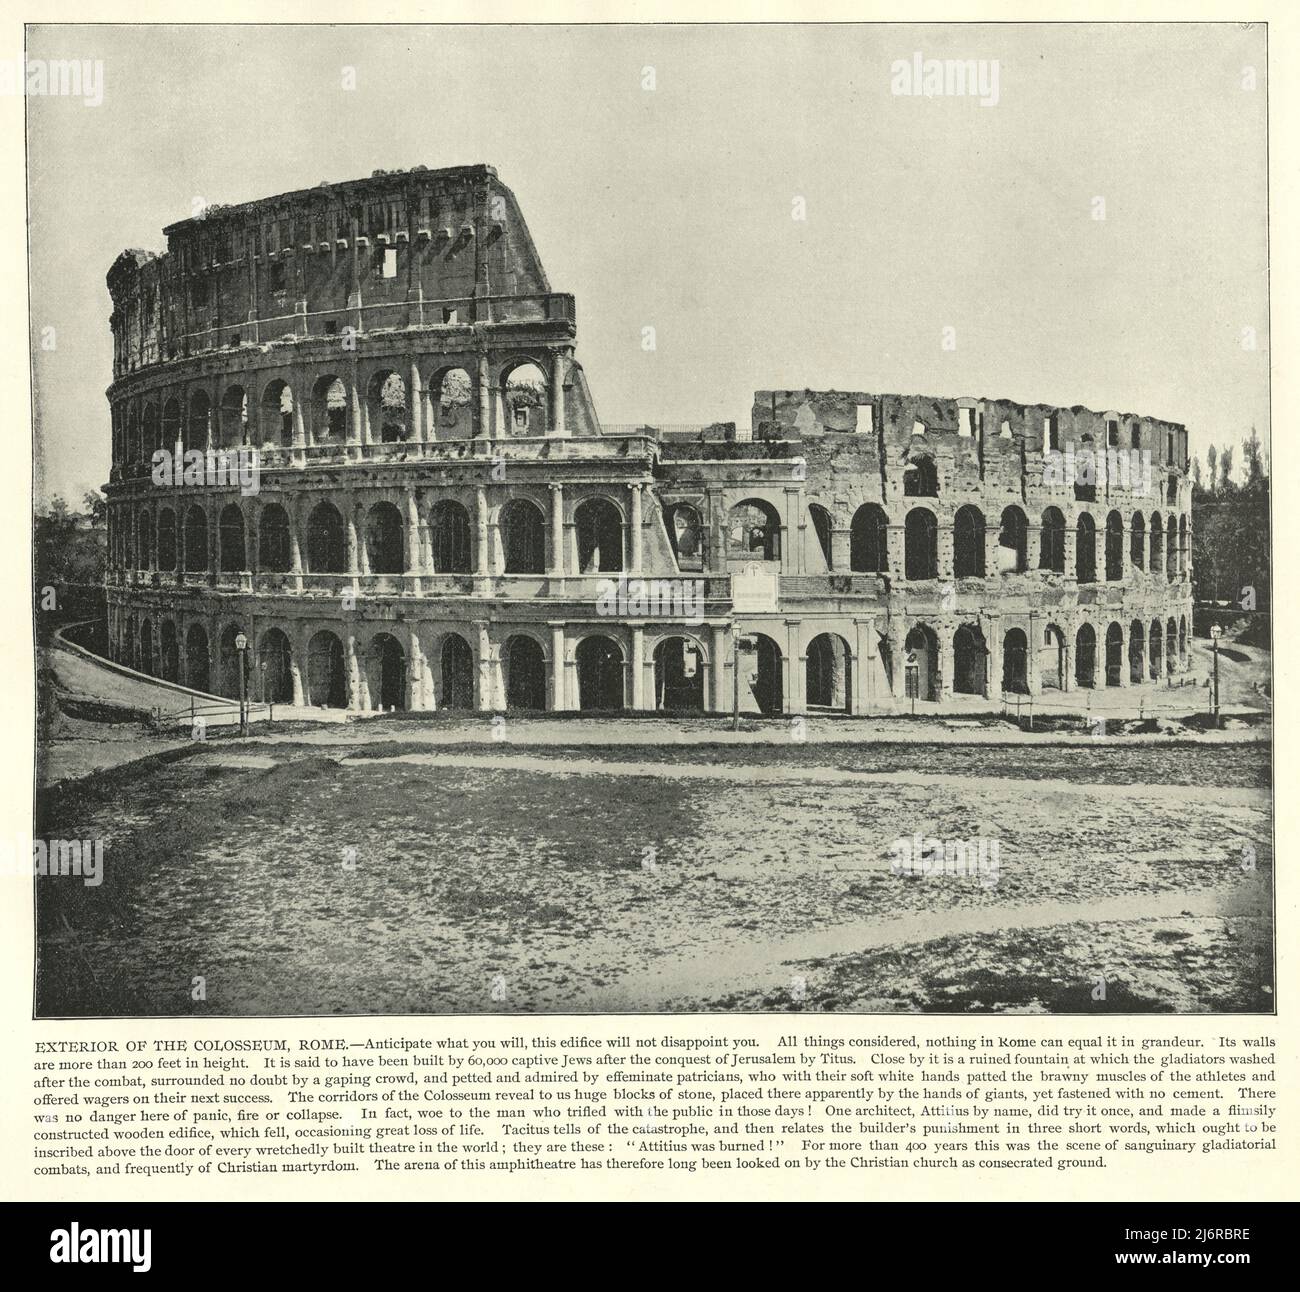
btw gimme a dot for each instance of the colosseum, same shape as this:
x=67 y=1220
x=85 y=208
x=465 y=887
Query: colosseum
x=433 y=516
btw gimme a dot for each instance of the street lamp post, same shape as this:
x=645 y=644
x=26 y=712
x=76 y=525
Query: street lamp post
x=1215 y=633
x=241 y=645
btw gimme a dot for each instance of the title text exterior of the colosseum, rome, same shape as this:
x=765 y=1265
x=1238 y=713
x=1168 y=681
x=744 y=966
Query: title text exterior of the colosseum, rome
x=439 y=510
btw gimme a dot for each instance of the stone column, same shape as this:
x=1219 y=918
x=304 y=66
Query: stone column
x=356 y=435
x=993 y=661
x=559 y=700
x=635 y=557
x=415 y=399
x=719 y=666
x=796 y=671
x=559 y=367
x=947 y=661
x=792 y=531
x=354 y=566
x=556 y=565
x=481 y=554
x=1124 y=679
x=486 y=696
x=484 y=399
x=296 y=522
x=355 y=680
x=897 y=636
x=638 y=667
x=418 y=675
x=415 y=559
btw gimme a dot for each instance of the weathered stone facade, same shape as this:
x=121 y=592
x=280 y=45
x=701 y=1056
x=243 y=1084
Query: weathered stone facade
x=440 y=520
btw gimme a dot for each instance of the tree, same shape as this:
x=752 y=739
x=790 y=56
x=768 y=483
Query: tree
x=1211 y=456
x=1225 y=470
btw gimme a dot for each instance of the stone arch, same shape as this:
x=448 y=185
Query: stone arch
x=196 y=539
x=1171 y=549
x=326 y=542
x=969 y=660
x=599 y=527
x=234 y=417
x=1138 y=541
x=1115 y=655
x=968 y=543
x=169 y=652
x=144 y=542
x=326 y=677
x=1171 y=645
x=523 y=537
x=1182 y=641
x=523 y=665
x=754 y=531
x=449 y=538
x=452 y=403
x=869 y=540
x=921 y=649
x=275 y=667
x=384 y=539
x=1157 y=543
x=1085 y=657
x=765 y=684
x=921 y=544
x=456 y=672
x=1015 y=656
x=1013 y=542
x=823 y=528
x=1137 y=651
x=1182 y=544
x=524 y=391
x=1085 y=549
x=166 y=539
x=228 y=660
x=152 y=430
x=198 y=425
x=329 y=410
x=1051 y=541
x=386 y=672
x=1155 y=649
x=1114 y=547
x=386 y=407
x=920 y=477
x=275 y=420
x=172 y=424
x=1052 y=659
x=828 y=671
x=679 y=675
x=230 y=527
x=598 y=660
x=274 y=544
x=146 y=646
x=197 y=658
x=686 y=534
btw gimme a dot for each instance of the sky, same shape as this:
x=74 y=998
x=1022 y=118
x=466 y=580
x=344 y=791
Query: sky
x=946 y=247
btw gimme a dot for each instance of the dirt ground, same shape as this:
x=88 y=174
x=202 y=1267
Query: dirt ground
x=301 y=877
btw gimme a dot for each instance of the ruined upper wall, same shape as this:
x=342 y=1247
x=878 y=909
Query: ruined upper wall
x=894 y=421
x=399 y=249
